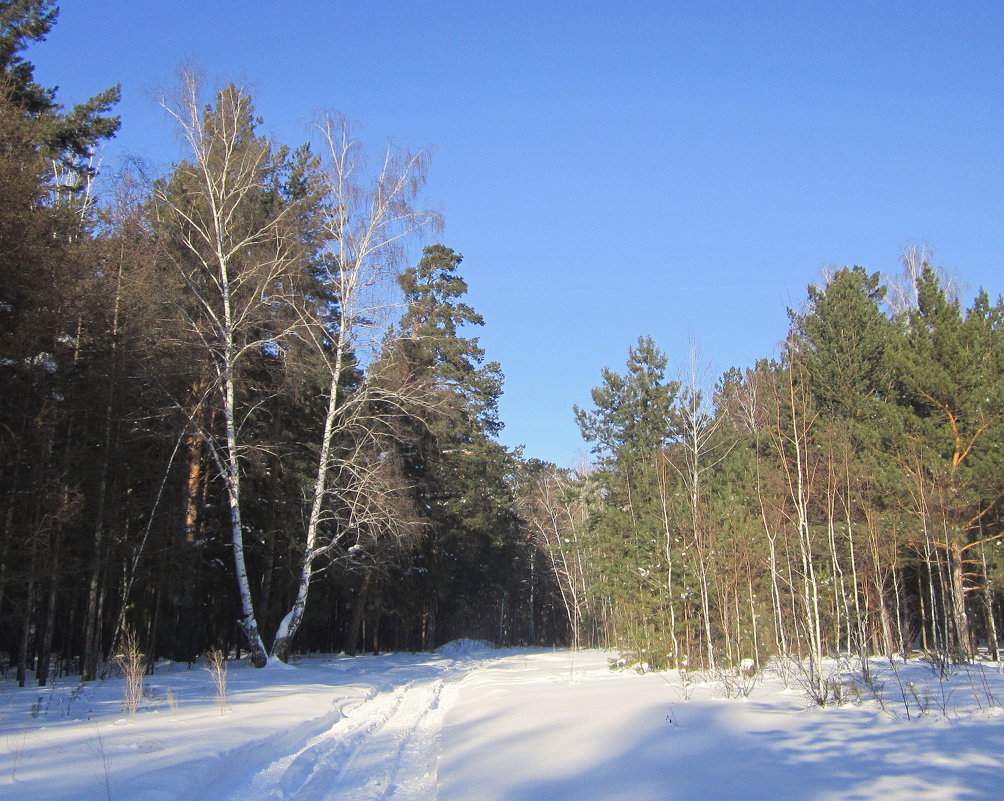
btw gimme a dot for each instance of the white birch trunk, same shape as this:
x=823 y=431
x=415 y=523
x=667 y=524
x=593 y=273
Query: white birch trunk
x=364 y=231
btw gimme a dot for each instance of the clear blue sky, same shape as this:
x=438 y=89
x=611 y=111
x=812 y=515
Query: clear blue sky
x=676 y=169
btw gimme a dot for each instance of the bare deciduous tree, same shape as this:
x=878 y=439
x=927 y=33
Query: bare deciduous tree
x=553 y=510
x=355 y=493
x=234 y=253
x=902 y=294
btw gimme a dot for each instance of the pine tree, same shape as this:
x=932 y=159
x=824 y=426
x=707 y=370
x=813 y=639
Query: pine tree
x=846 y=338
x=52 y=307
x=844 y=342
x=464 y=571
x=631 y=529
x=68 y=137
x=949 y=374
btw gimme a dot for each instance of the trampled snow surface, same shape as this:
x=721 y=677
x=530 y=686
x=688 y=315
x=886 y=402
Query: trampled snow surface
x=473 y=724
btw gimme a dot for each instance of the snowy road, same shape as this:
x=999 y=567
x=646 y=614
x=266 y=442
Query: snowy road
x=384 y=747
x=516 y=725
x=379 y=742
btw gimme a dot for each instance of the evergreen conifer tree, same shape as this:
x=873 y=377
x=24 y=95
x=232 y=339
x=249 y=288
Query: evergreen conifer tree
x=465 y=569
x=67 y=136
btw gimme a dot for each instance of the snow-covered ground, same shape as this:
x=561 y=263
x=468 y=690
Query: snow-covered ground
x=471 y=724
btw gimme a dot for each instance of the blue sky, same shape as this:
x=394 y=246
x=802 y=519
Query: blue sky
x=681 y=170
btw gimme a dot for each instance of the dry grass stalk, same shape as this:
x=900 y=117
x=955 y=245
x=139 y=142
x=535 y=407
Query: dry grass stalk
x=218 y=670
x=130 y=662
x=172 y=703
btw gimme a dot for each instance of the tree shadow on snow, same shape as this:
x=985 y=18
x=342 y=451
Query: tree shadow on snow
x=716 y=750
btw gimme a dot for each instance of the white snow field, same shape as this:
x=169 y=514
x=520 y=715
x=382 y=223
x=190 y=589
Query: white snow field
x=473 y=724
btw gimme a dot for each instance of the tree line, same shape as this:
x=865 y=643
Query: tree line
x=236 y=414
x=842 y=497
x=232 y=415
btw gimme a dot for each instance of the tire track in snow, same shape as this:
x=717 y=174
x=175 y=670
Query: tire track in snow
x=384 y=747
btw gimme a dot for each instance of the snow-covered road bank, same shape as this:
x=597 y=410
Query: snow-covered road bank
x=563 y=727
x=517 y=725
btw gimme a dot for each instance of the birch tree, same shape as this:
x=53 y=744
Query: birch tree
x=237 y=253
x=552 y=508
x=702 y=450
x=354 y=497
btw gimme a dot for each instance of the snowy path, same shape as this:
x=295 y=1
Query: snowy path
x=380 y=743
x=507 y=725
x=384 y=747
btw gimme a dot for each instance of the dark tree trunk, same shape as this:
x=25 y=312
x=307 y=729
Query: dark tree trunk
x=356 y=620
x=49 y=625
